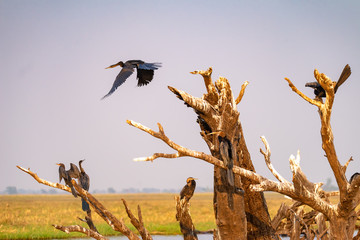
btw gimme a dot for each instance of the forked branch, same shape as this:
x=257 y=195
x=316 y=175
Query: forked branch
x=77 y=228
x=260 y=183
x=267 y=155
x=306 y=98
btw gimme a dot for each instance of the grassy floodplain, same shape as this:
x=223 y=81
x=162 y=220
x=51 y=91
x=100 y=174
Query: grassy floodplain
x=32 y=216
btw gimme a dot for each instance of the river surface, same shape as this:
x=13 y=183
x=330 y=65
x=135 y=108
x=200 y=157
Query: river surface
x=172 y=237
x=167 y=237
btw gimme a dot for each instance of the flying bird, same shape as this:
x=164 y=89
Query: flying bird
x=320 y=92
x=188 y=190
x=145 y=73
x=85 y=184
x=63 y=174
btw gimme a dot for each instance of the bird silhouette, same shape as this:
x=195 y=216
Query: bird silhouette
x=188 y=190
x=85 y=184
x=63 y=174
x=145 y=73
x=227 y=157
x=320 y=92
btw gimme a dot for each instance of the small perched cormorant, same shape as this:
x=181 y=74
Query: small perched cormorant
x=320 y=92
x=145 y=73
x=85 y=184
x=188 y=190
x=63 y=174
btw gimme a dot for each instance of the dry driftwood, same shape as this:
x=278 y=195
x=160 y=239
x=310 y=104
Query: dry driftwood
x=77 y=228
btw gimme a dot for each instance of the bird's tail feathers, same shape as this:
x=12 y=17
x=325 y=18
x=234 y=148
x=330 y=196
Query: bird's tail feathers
x=85 y=206
x=343 y=77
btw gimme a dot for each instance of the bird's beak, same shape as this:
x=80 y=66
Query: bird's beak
x=112 y=66
x=58 y=164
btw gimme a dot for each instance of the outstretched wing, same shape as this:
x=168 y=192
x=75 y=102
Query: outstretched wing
x=144 y=76
x=120 y=79
x=73 y=171
x=145 y=72
x=344 y=75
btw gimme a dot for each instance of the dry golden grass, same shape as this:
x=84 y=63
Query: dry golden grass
x=32 y=216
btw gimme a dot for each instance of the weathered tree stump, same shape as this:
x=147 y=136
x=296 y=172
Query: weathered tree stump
x=184 y=218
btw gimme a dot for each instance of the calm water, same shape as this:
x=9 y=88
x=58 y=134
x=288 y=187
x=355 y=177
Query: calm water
x=174 y=237
x=159 y=237
x=179 y=237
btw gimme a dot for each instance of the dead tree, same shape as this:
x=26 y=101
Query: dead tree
x=218 y=120
x=115 y=223
x=238 y=215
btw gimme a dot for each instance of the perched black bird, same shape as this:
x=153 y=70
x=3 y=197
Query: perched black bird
x=320 y=92
x=73 y=171
x=63 y=174
x=227 y=157
x=145 y=73
x=188 y=190
x=85 y=184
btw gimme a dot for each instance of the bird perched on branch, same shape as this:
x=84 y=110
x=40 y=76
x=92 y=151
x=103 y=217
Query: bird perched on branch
x=145 y=73
x=188 y=190
x=85 y=184
x=320 y=92
x=227 y=157
x=73 y=171
x=63 y=174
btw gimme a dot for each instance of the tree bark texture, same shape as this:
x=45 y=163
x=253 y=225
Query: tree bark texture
x=184 y=218
x=240 y=213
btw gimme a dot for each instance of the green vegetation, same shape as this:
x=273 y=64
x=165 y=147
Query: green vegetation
x=32 y=216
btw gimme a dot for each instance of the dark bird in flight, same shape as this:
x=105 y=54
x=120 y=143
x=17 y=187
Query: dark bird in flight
x=63 y=174
x=320 y=92
x=188 y=190
x=85 y=184
x=145 y=73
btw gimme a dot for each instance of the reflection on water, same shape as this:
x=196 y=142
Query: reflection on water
x=172 y=237
x=167 y=237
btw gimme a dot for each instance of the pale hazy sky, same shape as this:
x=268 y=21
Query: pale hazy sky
x=53 y=56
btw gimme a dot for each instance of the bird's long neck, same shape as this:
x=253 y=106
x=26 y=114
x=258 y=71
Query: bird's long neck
x=81 y=169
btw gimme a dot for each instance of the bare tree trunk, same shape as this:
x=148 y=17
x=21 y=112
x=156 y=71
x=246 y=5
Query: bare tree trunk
x=232 y=198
